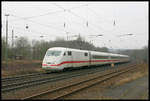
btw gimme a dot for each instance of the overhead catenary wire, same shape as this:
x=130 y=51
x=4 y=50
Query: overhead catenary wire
x=74 y=14
x=90 y=29
x=64 y=23
x=113 y=22
x=38 y=23
x=30 y=31
x=84 y=20
x=69 y=11
x=54 y=12
x=43 y=24
x=18 y=30
x=97 y=15
x=48 y=26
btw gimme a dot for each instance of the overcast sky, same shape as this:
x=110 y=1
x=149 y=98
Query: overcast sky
x=113 y=20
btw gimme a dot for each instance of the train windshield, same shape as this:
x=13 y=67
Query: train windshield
x=53 y=53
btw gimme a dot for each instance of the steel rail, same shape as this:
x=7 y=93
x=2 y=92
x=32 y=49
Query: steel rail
x=64 y=93
x=93 y=83
x=14 y=86
x=20 y=77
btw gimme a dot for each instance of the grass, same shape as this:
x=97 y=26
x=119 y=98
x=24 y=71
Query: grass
x=20 y=67
x=142 y=71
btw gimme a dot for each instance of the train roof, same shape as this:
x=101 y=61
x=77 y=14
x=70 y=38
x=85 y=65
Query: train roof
x=95 y=52
x=64 y=49
x=110 y=54
x=70 y=49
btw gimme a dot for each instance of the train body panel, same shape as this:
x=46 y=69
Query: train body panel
x=79 y=59
x=58 y=58
x=98 y=58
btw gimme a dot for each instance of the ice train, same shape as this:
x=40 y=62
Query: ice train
x=59 y=58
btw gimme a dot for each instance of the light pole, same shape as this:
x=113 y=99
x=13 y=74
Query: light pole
x=12 y=38
x=41 y=46
x=12 y=44
x=6 y=37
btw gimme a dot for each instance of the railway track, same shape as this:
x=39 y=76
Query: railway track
x=71 y=88
x=20 y=77
x=33 y=80
x=45 y=79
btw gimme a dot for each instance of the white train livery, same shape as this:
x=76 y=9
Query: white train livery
x=59 y=58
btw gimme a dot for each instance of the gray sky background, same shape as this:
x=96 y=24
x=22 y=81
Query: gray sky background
x=47 y=19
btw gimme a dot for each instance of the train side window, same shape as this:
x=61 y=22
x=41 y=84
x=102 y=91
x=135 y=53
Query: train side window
x=69 y=53
x=99 y=57
x=85 y=54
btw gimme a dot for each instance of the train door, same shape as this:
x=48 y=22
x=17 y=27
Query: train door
x=89 y=58
x=70 y=58
x=75 y=57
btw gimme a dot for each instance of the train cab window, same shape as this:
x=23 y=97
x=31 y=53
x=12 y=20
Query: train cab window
x=69 y=53
x=53 y=53
x=64 y=54
x=85 y=54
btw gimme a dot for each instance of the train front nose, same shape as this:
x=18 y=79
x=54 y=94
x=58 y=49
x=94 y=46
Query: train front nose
x=52 y=67
x=51 y=60
x=50 y=64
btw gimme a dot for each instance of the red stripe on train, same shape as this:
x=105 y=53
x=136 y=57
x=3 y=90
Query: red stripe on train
x=65 y=62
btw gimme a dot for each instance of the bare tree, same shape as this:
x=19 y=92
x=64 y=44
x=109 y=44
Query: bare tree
x=23 y=47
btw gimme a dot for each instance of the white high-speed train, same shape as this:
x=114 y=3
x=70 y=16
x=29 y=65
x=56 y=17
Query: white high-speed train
x=59 y=58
